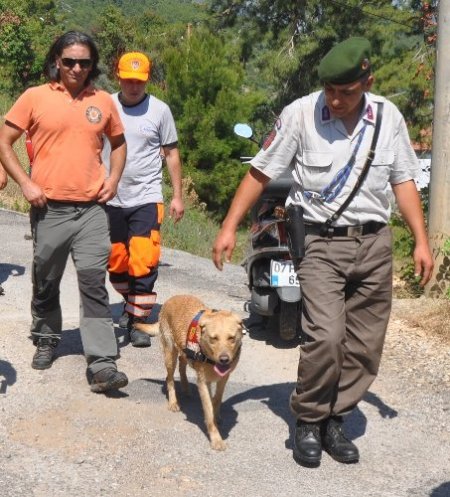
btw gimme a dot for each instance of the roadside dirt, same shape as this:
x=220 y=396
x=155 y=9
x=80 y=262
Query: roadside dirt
x=57 y=439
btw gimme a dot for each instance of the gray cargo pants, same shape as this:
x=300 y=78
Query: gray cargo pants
x=81 y=230
x=347 y=294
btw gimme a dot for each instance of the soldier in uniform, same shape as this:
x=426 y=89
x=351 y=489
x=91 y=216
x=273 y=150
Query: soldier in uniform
x=346 y=273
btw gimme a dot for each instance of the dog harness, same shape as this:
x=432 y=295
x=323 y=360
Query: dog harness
x=193 y=350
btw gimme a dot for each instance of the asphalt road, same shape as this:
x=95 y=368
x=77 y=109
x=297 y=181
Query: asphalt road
x=59 y=439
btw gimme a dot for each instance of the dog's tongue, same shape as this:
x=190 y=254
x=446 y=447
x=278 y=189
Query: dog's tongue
x=221 y=369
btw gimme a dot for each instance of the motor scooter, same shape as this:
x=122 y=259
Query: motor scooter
x=272 y=280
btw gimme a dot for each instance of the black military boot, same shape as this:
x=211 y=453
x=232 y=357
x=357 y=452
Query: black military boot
x=336 y=443
x=45 y=353
x=307 y=444
x=139 y=332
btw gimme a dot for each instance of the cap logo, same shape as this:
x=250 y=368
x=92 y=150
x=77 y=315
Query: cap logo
x=365 y=64
x=135 y=64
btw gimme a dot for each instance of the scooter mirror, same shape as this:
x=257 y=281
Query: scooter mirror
x=243 y=130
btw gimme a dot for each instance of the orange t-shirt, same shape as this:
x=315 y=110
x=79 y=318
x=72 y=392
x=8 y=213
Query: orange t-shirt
x=67 y=136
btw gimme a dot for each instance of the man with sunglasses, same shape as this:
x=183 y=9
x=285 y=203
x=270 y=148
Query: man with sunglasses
x=137 y=211
x=327 y=140
x=66 y=120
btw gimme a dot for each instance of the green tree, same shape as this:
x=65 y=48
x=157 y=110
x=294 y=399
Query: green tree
x=113 y=34
x=204 y=88
x=26 y=32
x=289 y=38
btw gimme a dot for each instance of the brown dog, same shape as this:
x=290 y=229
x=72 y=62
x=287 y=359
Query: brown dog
x=210 y=341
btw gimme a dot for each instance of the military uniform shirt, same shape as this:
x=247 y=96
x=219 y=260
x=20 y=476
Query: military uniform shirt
x=313 y=145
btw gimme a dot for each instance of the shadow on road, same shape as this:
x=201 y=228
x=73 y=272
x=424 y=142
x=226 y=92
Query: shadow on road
x=441 y=491
x=7 y=270
x=70 y=343
x=275 y=397
x=8 y=375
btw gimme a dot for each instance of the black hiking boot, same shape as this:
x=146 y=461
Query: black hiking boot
x=139 y=332
x=45 y=353
x=307 y=444
x=108 y=379
x=336 y=443
x=124 y=318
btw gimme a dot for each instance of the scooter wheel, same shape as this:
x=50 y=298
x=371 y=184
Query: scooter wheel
x=288 y=320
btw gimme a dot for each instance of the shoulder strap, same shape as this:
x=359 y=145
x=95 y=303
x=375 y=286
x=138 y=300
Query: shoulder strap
x=327 y=225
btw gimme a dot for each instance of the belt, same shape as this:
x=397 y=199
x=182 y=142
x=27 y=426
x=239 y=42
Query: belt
x=359 y=230
x=70 y=203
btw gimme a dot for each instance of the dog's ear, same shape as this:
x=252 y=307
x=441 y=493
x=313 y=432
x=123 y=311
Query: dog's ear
x=203 y=319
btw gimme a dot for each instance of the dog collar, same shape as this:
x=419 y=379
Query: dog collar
x=193 y=350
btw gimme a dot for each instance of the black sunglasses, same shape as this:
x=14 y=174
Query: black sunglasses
x=70 y=63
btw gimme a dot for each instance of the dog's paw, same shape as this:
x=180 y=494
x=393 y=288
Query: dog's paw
x=218 y=444
x=173 y=406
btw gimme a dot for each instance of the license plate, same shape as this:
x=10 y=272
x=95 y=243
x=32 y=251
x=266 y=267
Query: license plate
x=282 y=273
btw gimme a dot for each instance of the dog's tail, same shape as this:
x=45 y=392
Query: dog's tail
x=151 y=329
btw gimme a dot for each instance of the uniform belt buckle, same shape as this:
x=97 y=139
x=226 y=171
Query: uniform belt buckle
x=355 y=230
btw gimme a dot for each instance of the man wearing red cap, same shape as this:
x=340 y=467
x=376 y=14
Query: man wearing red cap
x=136 y=212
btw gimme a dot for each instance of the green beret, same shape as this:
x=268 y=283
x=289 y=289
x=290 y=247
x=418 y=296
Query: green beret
x=346 y=62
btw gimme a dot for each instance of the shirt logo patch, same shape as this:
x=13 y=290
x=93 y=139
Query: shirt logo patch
x=146 y=129
x=370 y=113
x=93 y=114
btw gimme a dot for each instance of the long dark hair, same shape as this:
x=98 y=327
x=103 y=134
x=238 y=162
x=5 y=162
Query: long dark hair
x=66 y=40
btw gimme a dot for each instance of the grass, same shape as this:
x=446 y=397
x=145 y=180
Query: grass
x=11 y=197
x=196 y=232
x=433 y=316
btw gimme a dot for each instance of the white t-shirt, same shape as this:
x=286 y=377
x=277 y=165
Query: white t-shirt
x=314 y=146
x=149 y=126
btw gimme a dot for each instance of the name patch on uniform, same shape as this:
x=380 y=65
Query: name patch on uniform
x=326 y=114
x=93 y=114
